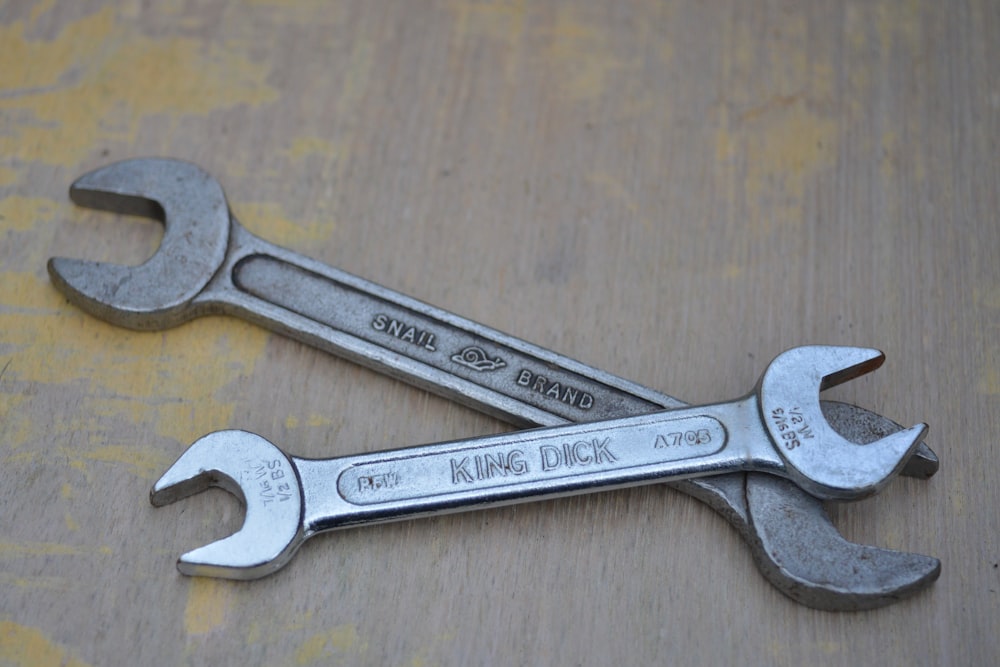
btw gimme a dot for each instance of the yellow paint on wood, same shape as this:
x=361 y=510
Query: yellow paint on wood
x=987 y=300
x=207 y=605
x=145 y=462
x=358 y=75
x=305 y=146
x=43 y=583
x=66 y=492
x=18 y=213
x=785 y=155
x=98 y=78
x=17 y=427
x=8 y=176
x=40 y=9
x=612 y=187
x=421 y=658
x=270 y=632
x=889 y=153
x=280 y=225
x=316 y=420
x=775 y=144
x=501 y=21
x=338 y=642
x=989 y=380
x=987 y=296
x=829 y=647
x=342 y=639
x=25 y=646
x=27 y=549
x=166 y=380
x=583 y=54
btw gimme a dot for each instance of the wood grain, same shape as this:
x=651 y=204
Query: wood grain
x=672 y=191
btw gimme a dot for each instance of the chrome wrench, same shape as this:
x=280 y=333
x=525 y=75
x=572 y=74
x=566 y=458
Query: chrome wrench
x=207 y=263
x=779 y=429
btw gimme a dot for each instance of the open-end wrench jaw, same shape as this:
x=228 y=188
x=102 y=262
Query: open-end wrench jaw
x=822 y=461
x=264 y=479
x=161 y=292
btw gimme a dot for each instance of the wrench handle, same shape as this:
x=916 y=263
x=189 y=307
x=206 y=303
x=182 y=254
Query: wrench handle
x=529 y=465
x=413 y=341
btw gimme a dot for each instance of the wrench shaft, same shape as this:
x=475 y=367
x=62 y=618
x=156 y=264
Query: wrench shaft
x=532 y=465
x=413 y=341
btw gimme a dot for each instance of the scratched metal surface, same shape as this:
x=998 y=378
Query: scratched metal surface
x=673 y=191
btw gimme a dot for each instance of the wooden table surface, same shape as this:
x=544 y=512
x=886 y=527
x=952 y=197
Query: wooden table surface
x=671 y=191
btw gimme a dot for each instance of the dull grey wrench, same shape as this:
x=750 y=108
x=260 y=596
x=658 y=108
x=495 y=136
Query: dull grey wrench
x=208 y=263
x=779 y=429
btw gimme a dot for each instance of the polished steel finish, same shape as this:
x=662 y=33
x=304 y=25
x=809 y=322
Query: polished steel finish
x=454 y=357
x=777 y=429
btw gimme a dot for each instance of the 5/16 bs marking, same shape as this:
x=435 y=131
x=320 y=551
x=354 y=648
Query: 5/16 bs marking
x=792 y=425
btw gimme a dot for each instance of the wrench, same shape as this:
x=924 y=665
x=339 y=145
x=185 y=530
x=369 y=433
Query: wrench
x=208 y=263
x=779 y=428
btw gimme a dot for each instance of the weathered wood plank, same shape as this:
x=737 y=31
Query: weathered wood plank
x=672 y=191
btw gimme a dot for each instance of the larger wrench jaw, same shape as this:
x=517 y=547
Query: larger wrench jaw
x=159 y=293
x=800 y=551
x=855 y=577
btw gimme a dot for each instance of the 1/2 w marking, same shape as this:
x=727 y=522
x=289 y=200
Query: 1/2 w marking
x=792 y=425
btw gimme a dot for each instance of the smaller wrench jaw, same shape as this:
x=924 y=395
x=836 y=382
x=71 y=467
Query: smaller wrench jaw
x=817 y=458
x=161 y=292
x=264 y=479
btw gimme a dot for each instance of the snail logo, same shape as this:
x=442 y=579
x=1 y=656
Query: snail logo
x=476 y=358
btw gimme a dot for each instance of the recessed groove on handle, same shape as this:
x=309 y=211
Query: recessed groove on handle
x=436 y=342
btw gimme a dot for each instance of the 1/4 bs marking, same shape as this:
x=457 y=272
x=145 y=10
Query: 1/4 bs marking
x=792 y=426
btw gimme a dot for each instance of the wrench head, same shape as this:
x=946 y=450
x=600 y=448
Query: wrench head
x=160 y=293
x=819 y=459
x=801 y=551
x=264 y=478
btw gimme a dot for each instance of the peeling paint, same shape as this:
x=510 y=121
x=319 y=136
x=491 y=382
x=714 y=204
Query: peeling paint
x=151 y=378
x=98 y=78
x=27 y=549
x=323 y=646
x=24 y=646
x=208 y=605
